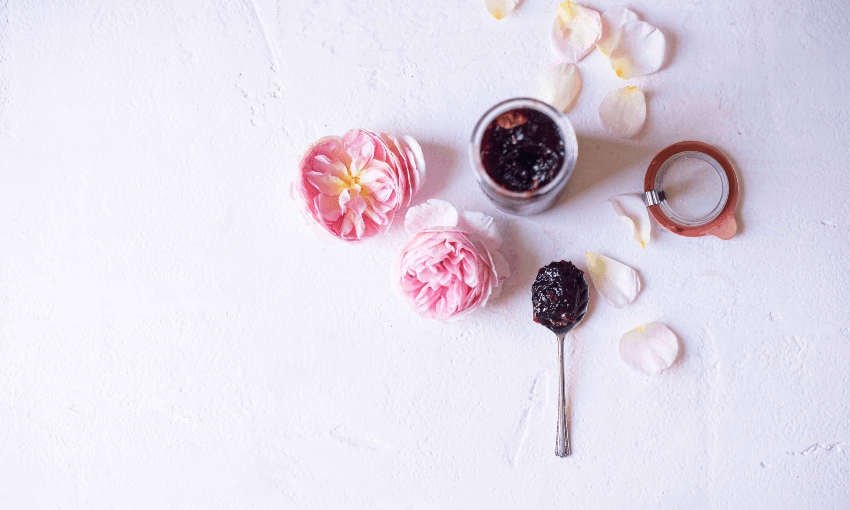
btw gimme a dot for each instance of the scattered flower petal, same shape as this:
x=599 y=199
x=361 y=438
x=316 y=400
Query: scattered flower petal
x=433 y=213
x=649 y=348
x=638 y=49
x=575 y=31
x=623 y=111
x=616 y=282
x=500 y=8
x=561 y=85
x=612 y=20
x=632 y=210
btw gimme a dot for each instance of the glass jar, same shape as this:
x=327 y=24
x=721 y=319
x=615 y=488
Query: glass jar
x=524 y=203
x=691 y=189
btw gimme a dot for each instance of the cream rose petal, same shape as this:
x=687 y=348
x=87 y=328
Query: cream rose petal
x=500 y=8
x=623 y=111
x=575 y=31
x=632 y=210
x=612 y=20
x=433 y=213
x=616 y=282
x=638 y=49
x=649 y=348
x=561 y=85
x=481 y=225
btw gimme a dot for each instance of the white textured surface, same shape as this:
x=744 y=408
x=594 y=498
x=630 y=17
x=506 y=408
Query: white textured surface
x=172 y=337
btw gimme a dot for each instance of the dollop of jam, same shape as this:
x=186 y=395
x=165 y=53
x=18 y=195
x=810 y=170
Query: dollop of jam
x=522 y=149
x=559 y=294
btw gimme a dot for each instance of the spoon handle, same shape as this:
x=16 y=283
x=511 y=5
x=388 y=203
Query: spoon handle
x=562 y=439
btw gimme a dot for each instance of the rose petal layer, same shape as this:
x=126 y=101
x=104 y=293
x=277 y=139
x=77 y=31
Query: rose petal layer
x=482 y=226
x=431 y=214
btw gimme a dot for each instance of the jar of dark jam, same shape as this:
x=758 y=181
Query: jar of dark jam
x=523 y=151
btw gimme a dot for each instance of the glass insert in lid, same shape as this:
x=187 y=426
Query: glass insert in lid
x=693 y=188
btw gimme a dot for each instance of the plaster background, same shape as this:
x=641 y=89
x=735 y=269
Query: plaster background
x=172 y=336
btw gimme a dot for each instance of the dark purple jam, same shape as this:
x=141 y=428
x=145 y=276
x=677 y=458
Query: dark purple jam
x=522 y=149
x=559 y=295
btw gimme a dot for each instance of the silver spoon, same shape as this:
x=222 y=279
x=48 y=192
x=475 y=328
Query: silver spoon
x=578 y=309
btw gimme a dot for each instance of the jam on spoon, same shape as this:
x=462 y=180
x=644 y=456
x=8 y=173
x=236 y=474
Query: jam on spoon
x=522 y=149
x=559 y=296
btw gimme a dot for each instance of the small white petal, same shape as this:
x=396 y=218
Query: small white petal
x=649 y=348
x=500 y=8
x=433 y=213
x=575 y=31
x=638 y=49
x=623 y=111
x=482 y=226
x=561 y=85
x=612 y=20
x=632 y=210
x=616 y=282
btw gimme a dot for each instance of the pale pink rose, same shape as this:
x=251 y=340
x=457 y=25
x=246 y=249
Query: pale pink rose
x=450 y=268
x=352 y=186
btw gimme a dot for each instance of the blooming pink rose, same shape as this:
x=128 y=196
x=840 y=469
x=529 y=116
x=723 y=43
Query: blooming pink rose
x=451 y=267
x=352 y=186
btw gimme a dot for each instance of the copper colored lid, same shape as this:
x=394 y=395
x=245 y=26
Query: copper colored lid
x=720 y=222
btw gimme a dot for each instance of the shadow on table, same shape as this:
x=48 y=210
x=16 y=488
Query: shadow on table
x=600 y=162
x=741 y=192
x=440 y=162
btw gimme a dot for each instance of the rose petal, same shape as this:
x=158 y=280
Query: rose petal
x=560 y=86
x=632 y=210
x=360 y=145
x=649 y=348
x=612 y=20
x=616 y=282
x=638 y=49
x=575 y=31
x=411 y=164
x=500 y=8
x=502 y=271
x=623 y=111
x=417 y=163
x=482 y=226
x=433 y=213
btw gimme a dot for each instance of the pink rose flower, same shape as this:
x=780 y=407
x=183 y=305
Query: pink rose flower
x=450 y=268
x=352 y=186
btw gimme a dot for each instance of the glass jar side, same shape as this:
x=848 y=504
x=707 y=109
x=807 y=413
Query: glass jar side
x=524 y=202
